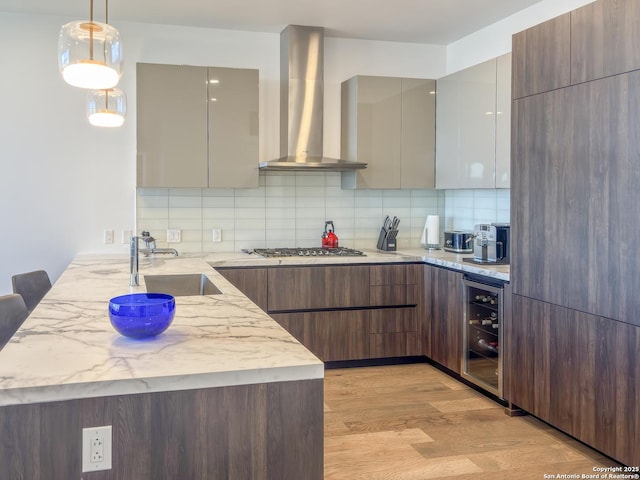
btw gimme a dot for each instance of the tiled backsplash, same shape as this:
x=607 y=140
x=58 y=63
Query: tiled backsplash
x=289 y=209
x=465 y=208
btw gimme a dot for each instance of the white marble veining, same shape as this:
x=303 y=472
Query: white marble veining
x=68 y=349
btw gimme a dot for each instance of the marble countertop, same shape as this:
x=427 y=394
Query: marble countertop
x=67 y=348
x=434 y=257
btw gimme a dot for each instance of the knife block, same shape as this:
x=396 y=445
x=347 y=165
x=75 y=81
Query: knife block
x=384 y=243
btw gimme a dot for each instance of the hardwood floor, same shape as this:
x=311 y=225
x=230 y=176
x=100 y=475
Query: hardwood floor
x=413 y=422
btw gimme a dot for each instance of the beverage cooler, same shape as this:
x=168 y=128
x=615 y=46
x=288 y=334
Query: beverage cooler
x=482 y=333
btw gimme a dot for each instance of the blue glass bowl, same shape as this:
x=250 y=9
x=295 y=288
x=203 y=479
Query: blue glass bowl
x=142 y=315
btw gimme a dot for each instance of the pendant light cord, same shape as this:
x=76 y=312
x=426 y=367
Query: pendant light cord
x=91 y=30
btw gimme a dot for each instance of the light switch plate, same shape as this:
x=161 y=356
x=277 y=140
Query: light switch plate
x=108 y=236
x=173 y=236
x=217 y=234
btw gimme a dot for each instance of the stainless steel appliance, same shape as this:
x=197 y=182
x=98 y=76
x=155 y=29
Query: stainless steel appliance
x=482 y=333
x=458 y=241
x=302 y=103
x=490 y=244
x=308 y=252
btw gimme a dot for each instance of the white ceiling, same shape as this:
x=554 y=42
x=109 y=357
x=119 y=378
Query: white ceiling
x=437 y=22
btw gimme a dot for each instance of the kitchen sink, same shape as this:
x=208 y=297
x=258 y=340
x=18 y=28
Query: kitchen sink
x=181 y=285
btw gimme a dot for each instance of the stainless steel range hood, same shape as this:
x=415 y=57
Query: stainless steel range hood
x=301 y=103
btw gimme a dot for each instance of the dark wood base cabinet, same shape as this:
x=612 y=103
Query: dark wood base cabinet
x=331 y=336
x=268 y=431
x=580 y=373
x=342 y=312
x=445 y=314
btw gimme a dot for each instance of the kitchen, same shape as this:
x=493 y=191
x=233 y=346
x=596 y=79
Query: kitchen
x=107 y=168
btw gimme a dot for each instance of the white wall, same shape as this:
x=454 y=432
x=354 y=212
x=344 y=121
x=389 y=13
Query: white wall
x=63 y=182
x=495 y=40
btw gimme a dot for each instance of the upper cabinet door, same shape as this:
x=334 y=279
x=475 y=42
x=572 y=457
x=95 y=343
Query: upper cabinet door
x=371 y=131
x=418 y=147
x=171 y=126
x=465 y=133
x=542 y=57
x=604 y=39
x=503 y=121
x=233 y=127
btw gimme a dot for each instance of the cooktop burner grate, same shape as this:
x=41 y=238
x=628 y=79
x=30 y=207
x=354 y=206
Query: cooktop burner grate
x=309 y=252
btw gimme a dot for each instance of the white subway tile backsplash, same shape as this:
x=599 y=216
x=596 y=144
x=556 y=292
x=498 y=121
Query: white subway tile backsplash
x=368 y=202
x=310 y=180
x=185 y=202
x=153 y=201
x=185 y=192
x=250 y=224
x=242 y=213
x=218 y=192
x=281 y=191
x=289 y=209
x=303 y=191
x=218 y=213
x=218 y=202
x=186 y=213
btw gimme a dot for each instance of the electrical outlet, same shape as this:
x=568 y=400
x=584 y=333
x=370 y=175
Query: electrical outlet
x=126 y=237
x=173 y=236
x=108 y=236
x=217 y=234
x=96 y=449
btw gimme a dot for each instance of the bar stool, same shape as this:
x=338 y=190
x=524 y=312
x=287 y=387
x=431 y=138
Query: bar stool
x=32 y=286
x=13 y=312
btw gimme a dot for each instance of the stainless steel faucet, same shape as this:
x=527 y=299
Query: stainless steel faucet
x=134 y=254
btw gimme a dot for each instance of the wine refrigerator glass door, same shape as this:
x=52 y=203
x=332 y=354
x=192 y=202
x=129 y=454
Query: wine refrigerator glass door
x=482 y=358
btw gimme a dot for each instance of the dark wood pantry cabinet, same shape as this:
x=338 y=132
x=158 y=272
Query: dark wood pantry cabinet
x=575 y=180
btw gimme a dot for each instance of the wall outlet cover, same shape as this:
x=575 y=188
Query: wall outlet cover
x=217 y=234
x=96 y=448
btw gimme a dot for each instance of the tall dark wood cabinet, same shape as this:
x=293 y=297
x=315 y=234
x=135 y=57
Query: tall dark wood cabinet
x=575 y=177
x=604 y=39
x=540 y=57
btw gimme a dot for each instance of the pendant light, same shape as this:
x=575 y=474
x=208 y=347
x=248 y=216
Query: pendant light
x=106 y=108
x=90 y=54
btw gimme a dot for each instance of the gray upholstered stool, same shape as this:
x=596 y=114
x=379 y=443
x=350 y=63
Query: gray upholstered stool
x=32 y=286
x=13 y=311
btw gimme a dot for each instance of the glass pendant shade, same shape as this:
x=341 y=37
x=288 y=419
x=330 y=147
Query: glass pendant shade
x=106 y=108
x=90 y=55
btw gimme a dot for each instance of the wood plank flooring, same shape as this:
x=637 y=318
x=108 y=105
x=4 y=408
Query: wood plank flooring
x=413 y=422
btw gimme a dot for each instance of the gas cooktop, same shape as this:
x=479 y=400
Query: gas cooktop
x=309 y=252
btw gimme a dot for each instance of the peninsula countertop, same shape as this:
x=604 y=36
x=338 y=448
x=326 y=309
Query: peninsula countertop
x=67 y=348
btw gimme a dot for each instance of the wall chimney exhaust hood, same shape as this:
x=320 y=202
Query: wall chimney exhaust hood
x=301 y=103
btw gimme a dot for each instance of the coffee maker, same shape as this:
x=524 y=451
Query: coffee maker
x=491 y=243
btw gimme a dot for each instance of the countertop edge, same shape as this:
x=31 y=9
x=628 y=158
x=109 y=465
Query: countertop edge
x=79 y=391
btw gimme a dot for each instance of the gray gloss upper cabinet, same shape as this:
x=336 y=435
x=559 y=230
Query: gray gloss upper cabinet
x=503 y=121
x=197 y=126
x=233 y=127
x=473 y=126
x=388 y=123
x=172 y=126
